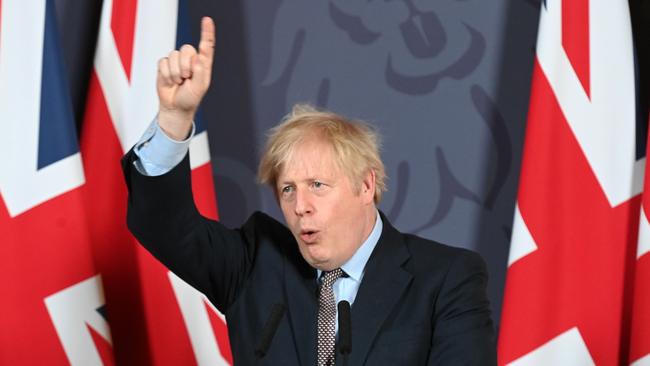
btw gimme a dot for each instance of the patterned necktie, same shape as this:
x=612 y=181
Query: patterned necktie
x=327 y=318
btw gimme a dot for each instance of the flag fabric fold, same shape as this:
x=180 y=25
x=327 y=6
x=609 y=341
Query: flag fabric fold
x=70 y=267
x=568 y=294
x=156 y=318
x=640 y=321
x=52 y=305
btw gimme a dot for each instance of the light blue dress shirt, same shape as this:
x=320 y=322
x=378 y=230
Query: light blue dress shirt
x=159 y=153
x=346 y=288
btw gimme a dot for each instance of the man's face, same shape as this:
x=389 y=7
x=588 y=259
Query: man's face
x=329 y=218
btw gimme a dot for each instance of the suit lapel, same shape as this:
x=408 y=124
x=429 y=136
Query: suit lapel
x=300 y=292
x=382 y=286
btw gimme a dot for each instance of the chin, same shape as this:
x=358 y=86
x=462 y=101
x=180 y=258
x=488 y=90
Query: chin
x=318 y=263
x=313 y=260
x=323 y=264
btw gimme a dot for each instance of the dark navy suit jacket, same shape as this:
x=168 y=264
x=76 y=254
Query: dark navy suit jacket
x=420 y=302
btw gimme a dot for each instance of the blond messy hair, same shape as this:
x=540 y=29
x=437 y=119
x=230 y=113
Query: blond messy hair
x=355 y=145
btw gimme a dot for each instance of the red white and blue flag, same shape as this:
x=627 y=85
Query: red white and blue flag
x=156 y=319
x=52 y=307
x=569 y=282
x=63 y=203
x=640 y=328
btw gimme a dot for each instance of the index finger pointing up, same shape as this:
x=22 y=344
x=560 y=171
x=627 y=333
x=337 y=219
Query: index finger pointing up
x=206 y=44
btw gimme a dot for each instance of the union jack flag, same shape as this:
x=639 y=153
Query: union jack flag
x=156 y=318
x=569 y=286
x=62 y=218
x=52 y=305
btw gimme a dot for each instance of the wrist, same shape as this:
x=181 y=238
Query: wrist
x=176 y=124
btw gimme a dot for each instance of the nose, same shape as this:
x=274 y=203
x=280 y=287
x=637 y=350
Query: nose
x=303 y=202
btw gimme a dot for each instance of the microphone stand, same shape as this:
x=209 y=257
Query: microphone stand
x=271 y=326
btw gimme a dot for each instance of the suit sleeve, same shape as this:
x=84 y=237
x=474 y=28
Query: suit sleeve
x=464 y=333
x=162 y=216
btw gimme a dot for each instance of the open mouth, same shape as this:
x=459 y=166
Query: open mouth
x=308 y=236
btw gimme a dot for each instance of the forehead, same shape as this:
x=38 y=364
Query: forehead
x=312 y=158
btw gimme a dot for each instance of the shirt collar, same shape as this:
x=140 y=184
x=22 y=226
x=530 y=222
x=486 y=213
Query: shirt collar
x=355 y=266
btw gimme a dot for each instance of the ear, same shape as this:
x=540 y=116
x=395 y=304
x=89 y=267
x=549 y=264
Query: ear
x=368 y=187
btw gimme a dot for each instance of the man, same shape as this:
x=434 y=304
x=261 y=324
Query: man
x=414 y=301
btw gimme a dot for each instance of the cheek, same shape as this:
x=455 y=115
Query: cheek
x=350 y=221
x=342 y=223
x=284 y=206
x=288 y=216
x=349 y=210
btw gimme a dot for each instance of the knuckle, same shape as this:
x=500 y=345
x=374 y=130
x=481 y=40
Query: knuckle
x=186 y=48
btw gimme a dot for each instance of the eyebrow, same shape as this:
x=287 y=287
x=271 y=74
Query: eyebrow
x=287 y=181
x=310 y=179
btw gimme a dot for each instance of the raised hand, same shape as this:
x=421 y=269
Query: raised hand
x=183 y=79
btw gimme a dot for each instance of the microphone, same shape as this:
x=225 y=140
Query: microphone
x=277 y=311
x=345 y=329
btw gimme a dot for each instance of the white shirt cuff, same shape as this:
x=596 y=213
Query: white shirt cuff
x=157 y=152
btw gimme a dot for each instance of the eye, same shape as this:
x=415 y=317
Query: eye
x=316 y=185
x=286 y=192
x=319 y=187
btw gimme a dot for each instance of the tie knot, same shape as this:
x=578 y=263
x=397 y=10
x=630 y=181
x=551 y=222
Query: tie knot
x=329 y=277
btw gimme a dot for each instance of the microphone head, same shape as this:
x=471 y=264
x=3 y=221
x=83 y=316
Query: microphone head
x=344 y=308
x=345 y=328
